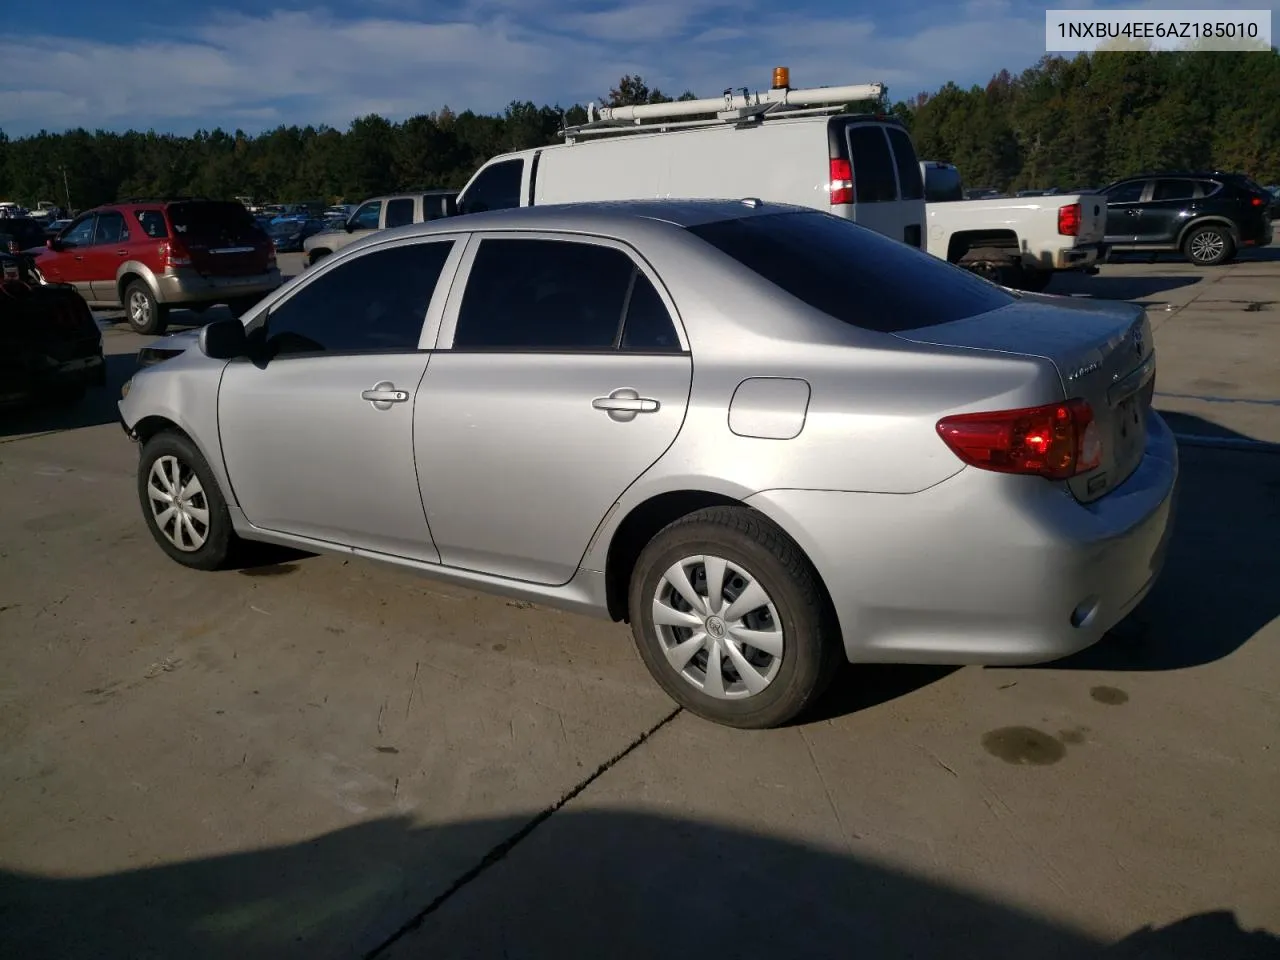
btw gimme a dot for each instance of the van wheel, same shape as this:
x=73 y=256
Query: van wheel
x=184 y=509
x=1209 y=246
x=143 y=311
x=729 y=618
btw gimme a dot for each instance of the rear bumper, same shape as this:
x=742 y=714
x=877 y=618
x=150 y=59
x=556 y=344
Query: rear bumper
x=1080 y=257
x=187 y=286
x=985 y=568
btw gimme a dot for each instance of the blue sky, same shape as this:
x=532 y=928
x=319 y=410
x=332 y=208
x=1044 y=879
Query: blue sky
x=255 y=64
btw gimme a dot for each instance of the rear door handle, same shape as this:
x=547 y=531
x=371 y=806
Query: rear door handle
x=384 y=394
x=624 y=403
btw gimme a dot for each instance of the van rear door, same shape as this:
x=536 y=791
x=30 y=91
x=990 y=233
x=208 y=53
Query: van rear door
x=886 y=193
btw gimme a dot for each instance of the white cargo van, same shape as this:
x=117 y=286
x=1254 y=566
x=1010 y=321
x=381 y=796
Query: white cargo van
x=784 y=145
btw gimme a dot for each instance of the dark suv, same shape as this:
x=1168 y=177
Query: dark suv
x=153 y=255
x=1207 y=217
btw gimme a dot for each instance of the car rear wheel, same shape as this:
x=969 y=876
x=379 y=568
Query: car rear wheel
x=183 y=507
x=728 y=616
x=1209 y=246
x=144 y=312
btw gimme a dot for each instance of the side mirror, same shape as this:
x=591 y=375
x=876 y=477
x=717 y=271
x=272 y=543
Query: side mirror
x=224 y=340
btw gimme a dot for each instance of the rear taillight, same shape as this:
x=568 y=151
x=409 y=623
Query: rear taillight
x=841 y=185
x=1057 y=441
x=173 y=254
x=1256 y=201
x=1069 y=220
x=271 y=254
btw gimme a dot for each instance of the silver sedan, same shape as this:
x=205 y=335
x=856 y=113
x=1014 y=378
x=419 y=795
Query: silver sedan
x=768 y=438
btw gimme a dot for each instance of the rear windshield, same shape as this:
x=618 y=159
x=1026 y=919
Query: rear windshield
x=942 y=184
x=210 y=218
x=26 y=233
x=852 y=273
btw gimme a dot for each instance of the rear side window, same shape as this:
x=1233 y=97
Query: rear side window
x=557 y=295
x=1208 y=187
x=152 y=223
x=400 y=212
x=373 y=303
x=210 y=218
x=908 y=166
x=873 y=173
x=496 y=188
x=852 y=273
x=1174 y=190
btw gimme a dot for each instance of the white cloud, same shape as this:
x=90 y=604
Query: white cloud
x=310 y=67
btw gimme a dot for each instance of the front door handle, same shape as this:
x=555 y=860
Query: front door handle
x=384 y=394
x=122 y=253
x=624 y=403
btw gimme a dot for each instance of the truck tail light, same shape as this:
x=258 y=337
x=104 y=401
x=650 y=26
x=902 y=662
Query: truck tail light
x=1069 y=220
x=1057 y=441
x=841 y=185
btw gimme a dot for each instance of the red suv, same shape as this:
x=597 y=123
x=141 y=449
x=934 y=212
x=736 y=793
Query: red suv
x=152 y=256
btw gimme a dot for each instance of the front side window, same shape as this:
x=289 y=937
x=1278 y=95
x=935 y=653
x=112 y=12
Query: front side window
x=373 y=303
x=1130 y=192
x=110 y=229
x=399 y=212
x=497 y=187
x=852 y=273
x=1174 y=190
x=366 y=218
x=80 y=233
x=873 y=172
x=556 y=295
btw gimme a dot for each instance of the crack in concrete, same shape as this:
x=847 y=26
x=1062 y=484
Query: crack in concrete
x=498 y=853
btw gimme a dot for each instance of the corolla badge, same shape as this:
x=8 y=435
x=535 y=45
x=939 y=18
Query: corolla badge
x=1084 y=371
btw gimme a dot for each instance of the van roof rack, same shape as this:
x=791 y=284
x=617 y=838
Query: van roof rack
x=735 y=109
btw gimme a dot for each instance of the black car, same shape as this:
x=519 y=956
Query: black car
x=50 y=345
x=288 y=235
x=1207 y=217
x=20 y=233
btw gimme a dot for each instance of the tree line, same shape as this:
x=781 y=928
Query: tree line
x=1066 y=122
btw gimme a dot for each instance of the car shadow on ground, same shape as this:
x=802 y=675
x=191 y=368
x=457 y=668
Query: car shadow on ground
x=583 y=884
x=1218 y=588
x=96 y=407
x=1103 y=287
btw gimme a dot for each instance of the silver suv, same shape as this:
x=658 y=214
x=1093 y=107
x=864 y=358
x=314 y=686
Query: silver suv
x=769 y=438
x=382 y=213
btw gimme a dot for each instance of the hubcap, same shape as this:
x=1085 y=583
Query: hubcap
x=139 y=308
x=178 y=503
x=718 y=627
x=1207 y=246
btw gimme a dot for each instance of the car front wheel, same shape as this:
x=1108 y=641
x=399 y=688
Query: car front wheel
x=1209 y=246
x=728 y=616
x=183 y=507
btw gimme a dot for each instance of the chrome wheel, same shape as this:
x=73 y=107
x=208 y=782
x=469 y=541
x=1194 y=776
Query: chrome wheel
x=139 y=308
x=178 y=503
x=1207 y=247
x=718 y=627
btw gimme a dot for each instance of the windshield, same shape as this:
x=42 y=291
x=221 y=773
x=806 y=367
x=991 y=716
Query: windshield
x=851 y=273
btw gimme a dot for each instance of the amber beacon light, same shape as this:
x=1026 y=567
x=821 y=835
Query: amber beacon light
x=781 y=78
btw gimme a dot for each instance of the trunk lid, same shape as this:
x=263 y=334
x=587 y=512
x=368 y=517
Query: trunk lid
x=1102 y=351
x=220 y=237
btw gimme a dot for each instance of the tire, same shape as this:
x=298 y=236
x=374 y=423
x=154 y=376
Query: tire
x=144 y=313
x=1209 y=245
x=160 y=454
x=753 y=550
x=315 y=256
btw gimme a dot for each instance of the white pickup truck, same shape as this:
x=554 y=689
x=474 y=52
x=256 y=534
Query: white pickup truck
x=1016 y=241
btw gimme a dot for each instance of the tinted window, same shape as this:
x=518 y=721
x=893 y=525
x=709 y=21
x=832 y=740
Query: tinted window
x=1208 y=187
x=873 y=179
x=496 y=188
x=852 y=273
x=210 y=218
x=80 y=233
x=1174 y=190
x=110 y=229
x=904 y=157
x=399 y=212
x=543 y=295
x=375 y=302
x=1130 y=192
x=366 y=218
x=942 y=185
x=648 y=327
x=24 y=232
x=152 y=223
